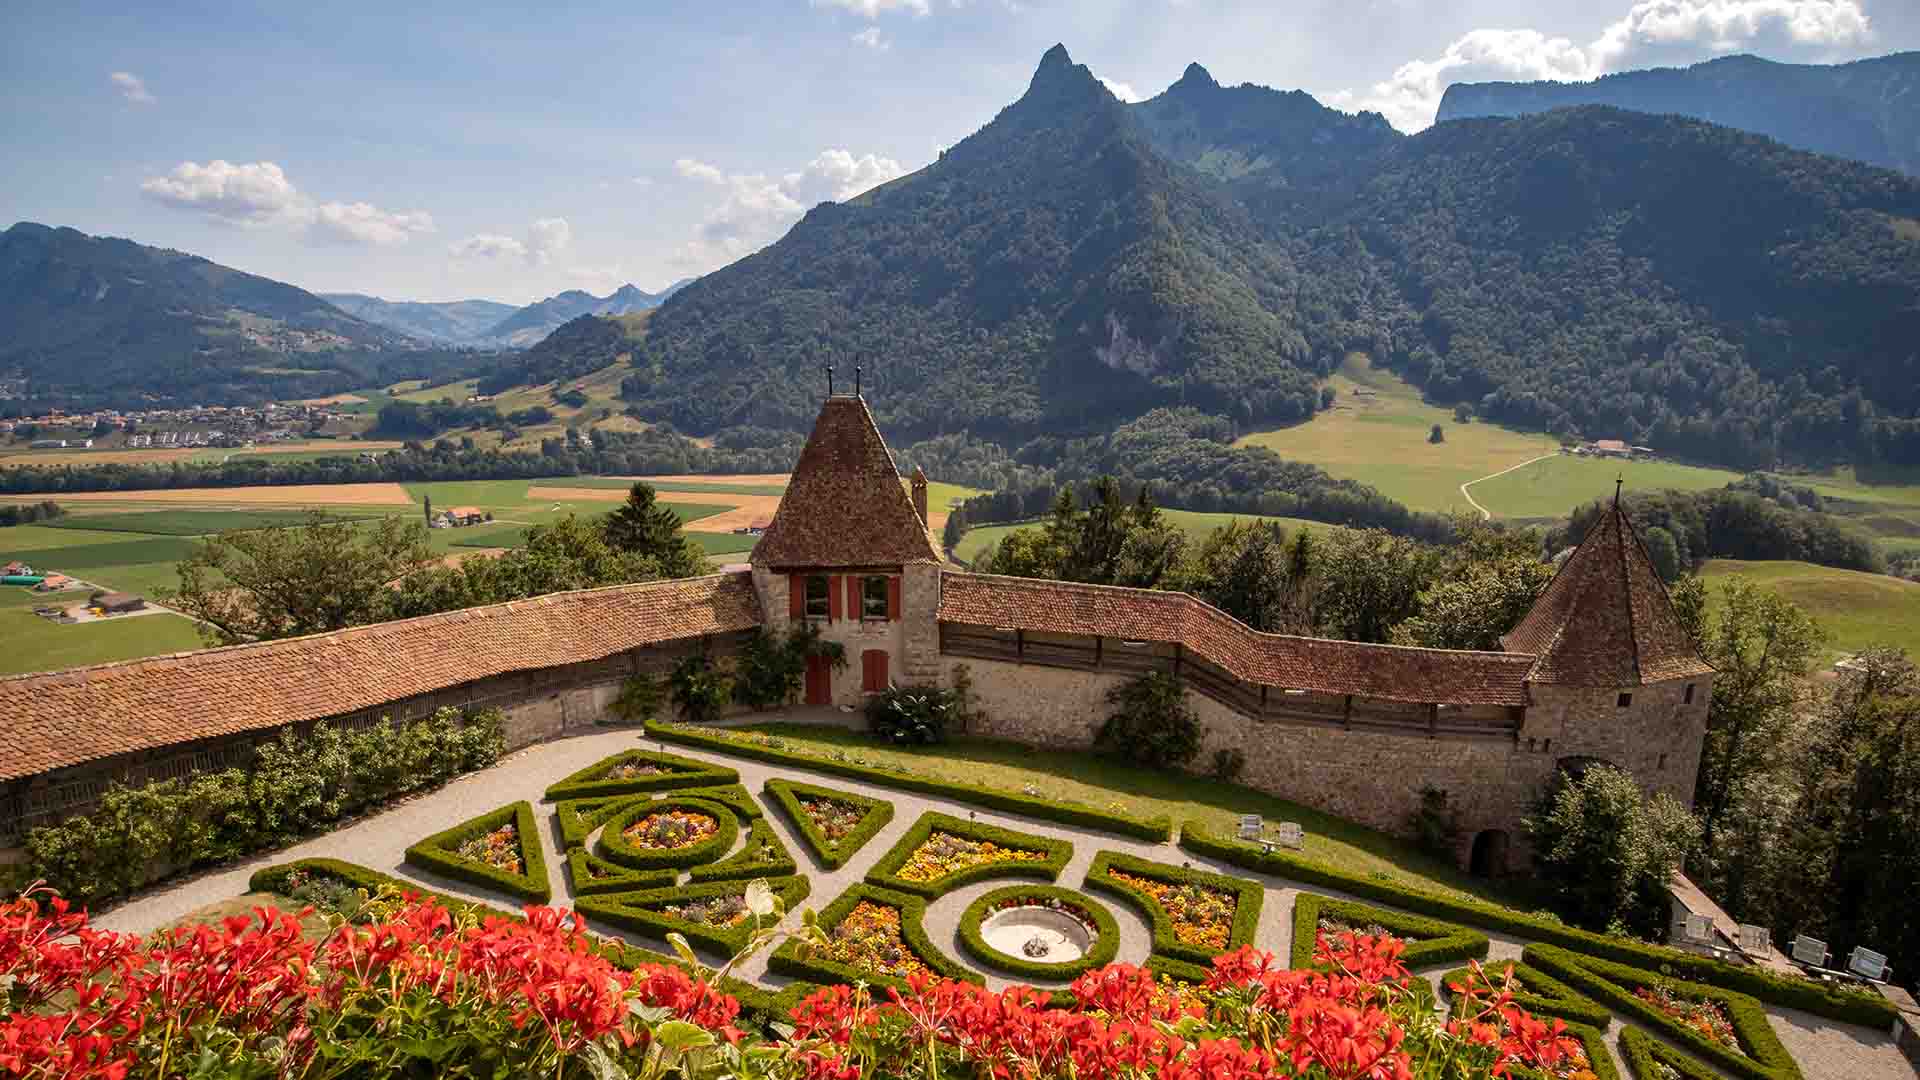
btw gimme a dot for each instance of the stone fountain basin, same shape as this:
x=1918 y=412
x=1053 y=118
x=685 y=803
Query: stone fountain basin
x=1009 y=931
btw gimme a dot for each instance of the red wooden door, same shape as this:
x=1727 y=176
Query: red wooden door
x=819 y=681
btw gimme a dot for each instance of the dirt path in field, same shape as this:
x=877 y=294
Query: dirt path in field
x=1485 y=514
x=296 y=495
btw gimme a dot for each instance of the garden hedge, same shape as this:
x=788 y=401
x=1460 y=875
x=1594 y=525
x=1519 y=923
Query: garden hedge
x=769 y=1006
x=763 y=855
x=788 y=959
x=579 y=817
x=583 y=865
x=436 y=853
x=1246 y=909
x=1429 y=941
x=1105 y=945
x=614 y=847
x=831 y=854
x=734 y=797
x=1643 y=1052
x=683 y=772
x=1156 y=829
x=885 y=873
x=1764 y=1058
x=1166 y=967
x=1544 y=995
x=633 y=911
x=1849 y=1006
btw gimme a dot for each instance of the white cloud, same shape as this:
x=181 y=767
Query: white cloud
x=488 y=246
x=548 y=237
x=873 y=9
x=259 y=195
x=545 y=239
x=1652 y=33
x=758 y=208
x=1121 y=90
x=871 y=38
x=132 y=87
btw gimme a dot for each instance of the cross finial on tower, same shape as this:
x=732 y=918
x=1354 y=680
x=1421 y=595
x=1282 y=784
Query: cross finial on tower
x=856 y=380
x=829 y=380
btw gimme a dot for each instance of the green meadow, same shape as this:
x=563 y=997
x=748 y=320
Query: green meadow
x=1857 y=610
x=1552 y=488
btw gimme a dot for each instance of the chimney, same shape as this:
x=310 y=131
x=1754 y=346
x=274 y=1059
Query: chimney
x=920 y=494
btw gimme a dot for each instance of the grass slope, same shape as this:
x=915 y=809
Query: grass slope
x=1552 y=488
x=31 y=643
x=1858 y=610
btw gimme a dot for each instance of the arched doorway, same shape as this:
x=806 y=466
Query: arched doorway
x=1489 y=858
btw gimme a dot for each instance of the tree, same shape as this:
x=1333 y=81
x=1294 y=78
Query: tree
x=1462 y=413
x=326 y=574
x=568 y=554
x=1151 y=723
x=1249 y=570
x=1437 y=435
x=1606 y=851
x=1369 y=582
x=1474 y=610
x=643 y=527
x=426 y=505
x=1663 y=550
x=955 y=530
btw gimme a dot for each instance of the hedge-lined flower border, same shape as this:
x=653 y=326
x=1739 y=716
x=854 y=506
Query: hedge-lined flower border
x=1429 y=941
x=1105 y=946
x=831 y=854
x=613 y=845
x=1641 y=1051
x=787 y=959
x=1548 y=996
x=1852 y=1007
x=1594 y=1041
x=579 y=817
x=628 y=911
x=886 y=872
x=684 y=772
x=734 y=797
x=436 y=854
x=1248 y=896
x=1764 y=1058
x=1156 y=829
x=618 y=878
x=746 y=864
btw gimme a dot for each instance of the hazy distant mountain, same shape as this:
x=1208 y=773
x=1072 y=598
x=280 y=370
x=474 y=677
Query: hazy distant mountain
x=1868 y=110
x=455 y=322
x=535 y=321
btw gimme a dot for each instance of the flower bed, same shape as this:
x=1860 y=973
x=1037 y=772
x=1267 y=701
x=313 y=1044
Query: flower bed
x=831 y=846
x=734 y=797
x=1648 y=1059
x=670 y=832
x=1704 y=1017
x=1195 y=915
x=865 y=926
x=1530 y=988
x=579 y=817
x=942 y=853
x=1429 y=941
x=763 y=855
x=482 y=852
x=636 y=771
x=1103 y=931
x=595 y=876
x=713 y=915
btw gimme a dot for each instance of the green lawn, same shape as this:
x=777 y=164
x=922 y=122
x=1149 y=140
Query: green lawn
x=1858 y=610
x=1554 y=487
x=1377 y=431
x=187 y=522
x=724 y=543
x=1194 y=523
x=32 y=643
x=1095 y=781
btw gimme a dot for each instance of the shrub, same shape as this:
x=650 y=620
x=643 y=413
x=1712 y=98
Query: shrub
x=593 y=875
x=917 y=715
x=1429 y=941
x=1100 y=953
x=1246 y=911
x=639 y=911
x=796 y=959
x=654 y=772
x=1436 y=825
x=1643 y=1054
x=1151 y=723
x=1607 y=851
x=440 y=853
x=1540 y=993
x=700 y=689
x=886 y=872
x=579 y=817
x=831 y=853
x=640 y=698
x=1227 y=765
x=771 y=668
x=616 y=847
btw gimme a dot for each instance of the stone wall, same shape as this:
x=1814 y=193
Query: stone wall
x=1656 y=736
x=911 y=642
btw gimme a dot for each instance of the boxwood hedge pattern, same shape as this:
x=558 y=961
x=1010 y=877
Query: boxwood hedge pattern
x=767 y=1006
x=792 y=958
x=1429 y=941
x=681 y=772
x=831 y=854
x=1246 y=912
x=593 y=875
x=1849 y=1006
x=1761 y=1056
x=1156 y=829
x=1643 y=1052
x=437 y=854
x=1100 y=952
x=615 y=847
x=763 y=855
x=734 y=797
x=639 y=911
x=1542 y=994
x=579 y=817
x=886 y=872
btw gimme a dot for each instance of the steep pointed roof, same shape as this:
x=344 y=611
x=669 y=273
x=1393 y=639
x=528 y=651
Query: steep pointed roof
x=845 y=505
x=1606 y=619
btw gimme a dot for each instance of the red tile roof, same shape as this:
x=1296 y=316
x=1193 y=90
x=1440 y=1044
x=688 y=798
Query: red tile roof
x=1606 y=619
x=64 y=718
x=1390 y=672
x=845 y=505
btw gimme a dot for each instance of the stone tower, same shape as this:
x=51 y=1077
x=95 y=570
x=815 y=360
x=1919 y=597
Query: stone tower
x=849 y=552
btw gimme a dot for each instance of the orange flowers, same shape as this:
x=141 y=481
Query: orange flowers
x=1201 y=916
x=869 y=939
x=671 y=830
x=945 y=853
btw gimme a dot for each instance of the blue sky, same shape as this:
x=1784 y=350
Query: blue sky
x=441 y=151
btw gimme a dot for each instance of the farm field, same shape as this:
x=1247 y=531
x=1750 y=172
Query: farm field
x=35 y=644
x=1857 y=609
x=328 y=495
x=1554 y=487
x=309 y=449
x=1193 y=522
x=184 y=522
x=1377 y=431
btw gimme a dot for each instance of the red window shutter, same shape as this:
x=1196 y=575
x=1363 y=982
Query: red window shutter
x=873 y=670
x=834 y=609
x=854 y=610
x=893 y=599
x=796 y=596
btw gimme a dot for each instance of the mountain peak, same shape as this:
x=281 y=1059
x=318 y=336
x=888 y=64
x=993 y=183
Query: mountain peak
x=1060 y=83
x=1196 y=78
x=1055 y=57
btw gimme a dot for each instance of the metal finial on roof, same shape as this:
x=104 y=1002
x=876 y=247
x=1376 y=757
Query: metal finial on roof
x=856 y=380
x=1618 y=483
x=829 y=380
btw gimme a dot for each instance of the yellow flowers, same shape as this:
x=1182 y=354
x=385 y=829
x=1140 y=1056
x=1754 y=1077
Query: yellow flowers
x=1201 y=916
x=499 y=849
x=945 y=853
x=671 y=830
x=869 y=939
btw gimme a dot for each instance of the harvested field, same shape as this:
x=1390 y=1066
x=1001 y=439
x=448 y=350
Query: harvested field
x=337 y=399
x=743 y=509
x=159 y=455
x=752 y=479
x=382 y=494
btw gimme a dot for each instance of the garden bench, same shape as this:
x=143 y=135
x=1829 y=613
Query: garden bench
x=1289 y=834
x=1811 y=953
x=1868 y=965
x=1251 y=826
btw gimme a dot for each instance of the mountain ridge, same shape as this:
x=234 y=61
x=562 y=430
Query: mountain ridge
x=530 y=324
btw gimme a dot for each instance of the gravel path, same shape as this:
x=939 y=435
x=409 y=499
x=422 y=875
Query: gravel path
x=1825 y=1049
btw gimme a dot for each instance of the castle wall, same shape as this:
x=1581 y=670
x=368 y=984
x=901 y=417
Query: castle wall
x=1657 y=736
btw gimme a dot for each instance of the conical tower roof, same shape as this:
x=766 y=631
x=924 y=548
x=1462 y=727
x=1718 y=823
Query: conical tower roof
x=1606 y=619
x=845 y=505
